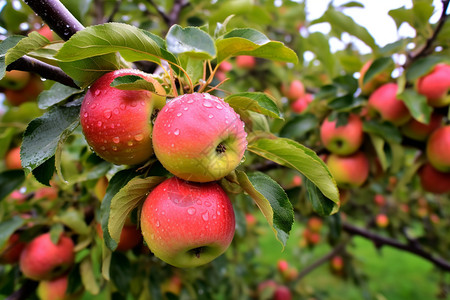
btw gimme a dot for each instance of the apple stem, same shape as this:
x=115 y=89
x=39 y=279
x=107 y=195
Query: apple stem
x=197 y=251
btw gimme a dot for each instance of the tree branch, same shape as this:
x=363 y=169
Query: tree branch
x=380 y=241
x=174 y=15
x=160 y=11
x=25 y=291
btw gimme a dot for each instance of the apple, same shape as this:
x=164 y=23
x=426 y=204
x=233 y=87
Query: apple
x=438 y=146
x=379 y=200
x=382 y=220
x=15 y=80
x=55 y=289
x=436 y=85
x=250 y=220
x=311 y=238
x=202 y=210
x=297 y=180
x=48 y=192
x=266 y=289
x=384 y=101
x=42 y=260
x=117 y=123
x=226 y=66
x=28 y=93
x=301 y=104
x=130 y=236
x=337 y=264
x=245 y=62
x=419 y=131
x=375 y=82
x=434 y=181
x=349 y=171
x=10 y=252
x=294 y=91
x=282 y=292
x=199 y=137
x=282 y=266
x=315 y=224
x=172 y=285
x=345 y=139
x=12 y=159
x=48 y=33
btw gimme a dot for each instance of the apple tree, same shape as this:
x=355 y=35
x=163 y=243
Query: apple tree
x=144 y=142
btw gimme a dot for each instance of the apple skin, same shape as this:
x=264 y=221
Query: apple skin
x=245 y=62
x=199 y=137
x=434 y=181
x=436 y=85
x=15 y=80
x=301 y=104
x=28 y=93
x=438 y=146
x=130 y=237
x=419 y=131
x=12 y=159
x=48 y=33
x=342 y=140
x=375 y=82
x=117 y=123
x=382 y=220
x=55 y=289
x=349 y=171
x=10 y=252
x=294 y=91
x=384 y=101
x=204 y=212
x=43 y=260
x=282 y=292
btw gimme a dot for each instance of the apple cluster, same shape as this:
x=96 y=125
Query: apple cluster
x=20 y=87
x=187 y=220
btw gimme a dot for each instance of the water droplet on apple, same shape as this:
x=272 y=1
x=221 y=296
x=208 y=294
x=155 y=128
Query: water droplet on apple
x=163 y=212
x=107 y=114
x=177 y=131
x=157 y=224
x=112 y=126
x=85 y=114
x=122 y=106
x=186 y=108
x=102 y=148
x=207 y=203
x=219 y=107
x=134 y=104
x=211 y=116
x=139 y=137
x=190 y=101
x=99 y=123
x=143 y=103
x=207 y=104
x=179 y=114
x=87 y=126
x=173 y=145
x=116 y=139
x=205 y=216
x=93 y=106
x=218 y=213
x=168 y=125
x=116 y=111
x=191 y=211
x=199 y=202
x=97 y=92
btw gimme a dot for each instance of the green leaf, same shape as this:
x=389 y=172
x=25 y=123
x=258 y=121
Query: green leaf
x=423 y=66
x=5 y=45
x=128 y=198
x=190 y=41
x=56 y=231
x=44 y=172
x=378 y=144
x=271 y=200
x=119 y=180
x=56 y=94
x=297 y=127
x=33 y=42
x=44 y=133
x=9 y=181
x=252 y=42
x=7 y=228
x=6 y=138
x=257 y=102
x=346 y=83
x=352 y=4
x=291 y=154
x=74 y=220
x=417 y=105
x=386 y=130
x=346 y=103
x=121 y=272
x=87 y=276
x=132 y=82
x=378 y=66
x=319 y=44
x=321 y=204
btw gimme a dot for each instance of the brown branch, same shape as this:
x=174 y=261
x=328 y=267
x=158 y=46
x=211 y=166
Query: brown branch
x=25 y=291
x=174 y=15
x=160 y=11
x=115 y=10
x=380 y=241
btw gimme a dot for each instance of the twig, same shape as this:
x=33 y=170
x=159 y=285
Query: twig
x=160 y=11
x=174 y=15
x=411 y=248
x=25 y=291
x=115 y=10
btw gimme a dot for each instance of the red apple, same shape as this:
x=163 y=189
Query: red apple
x=297 y=180
x=42 y=260
x=282 y=266
x=315 y=224
x=382 y=220
x=15 y=80
x=311 y=238
x=10 y=252
x=301 y=104
x=438 y=146
x=384 y=101
x=130 y=237
x=436 y=85
x=225 y=66
x=251 y=220
x=55 y=289
x=351 y=170
x=337 y=264
x=116 y=123
x=199 y=137
x=202 y=210
x=28 y=93
x=419 y=131
x=294 y=91
x=245 y=62
x=48 y=33
x=379 y=200
x=49 y=193
x=12 y=159
x=282 y=292
x=434 y=181
x=373 y=83
x=342 y=140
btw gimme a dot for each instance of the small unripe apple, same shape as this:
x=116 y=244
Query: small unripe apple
x=117 y=123
x=55 y=289
x=15 y=80
x=315 y=224
x=350 y=170
x=382 y=220
x=28 y=93
x=225 y=66
x=375 y=82
x=202 y=210
x=130 y=237
x=438 y=146
x=337 y=264
x=379 y=200
x=436 y=86
x=282 y=266
x=245 y=62
x=42 y=260
x=342 y=140
x=250 y=220
x=199 y=137
x=10 y=252
x=294 y=91
x=311 y=238
x=434 y=181
x=282 y=292
x=301 y=104
x=384 y=101
x=172 y=285
x=419 y=131
x=12 y=159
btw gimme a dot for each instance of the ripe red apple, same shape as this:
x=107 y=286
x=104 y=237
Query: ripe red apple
x=301 y=104
x=337 y=264
x=15 y=80
x=282 y=292
x=311 y=238
x=28 y=93
x=245 y=62
x=294 y=91
x=282 y=266
x=130 y=236
x=251 y=220
x=436 y=85
x=10 y=252
x=199 y=137
x=350 y=170
x=202 y=210
x=438 y=146
x=382 y=220
x=419 y=131
x=42 y=260
x=12 y=159
x=116 y=123
x=55 y=289
x=297 y=180
x=225 y=66
x=375 y=82
x=379 y=200
x=434 y=181
x=342 y=140
x=384 y=101
x=48 y=33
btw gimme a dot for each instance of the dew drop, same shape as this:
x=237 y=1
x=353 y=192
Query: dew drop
x=97 y=92
x=116 y=139
x=179 y=114
x=134 y=104
x=122 y=106
x=143 y=103
x=199 y=202
x=211 y=116
x=218 y=213
x=107 y=114
x=112 y=126
x=139 y=137
x=93 y=106
x=207 y=203
x=116 y=111
x=177 y=131
x=219 y=107
x=205 y=216
x=173 y=145
x=87 y=126
x=157 y=224
x=207 y=104
x=85 y=114
x=186 y=108
x=190 y=101
x=191 y=211
x=99 y=123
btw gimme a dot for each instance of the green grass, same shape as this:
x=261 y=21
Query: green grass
x=392 y=274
